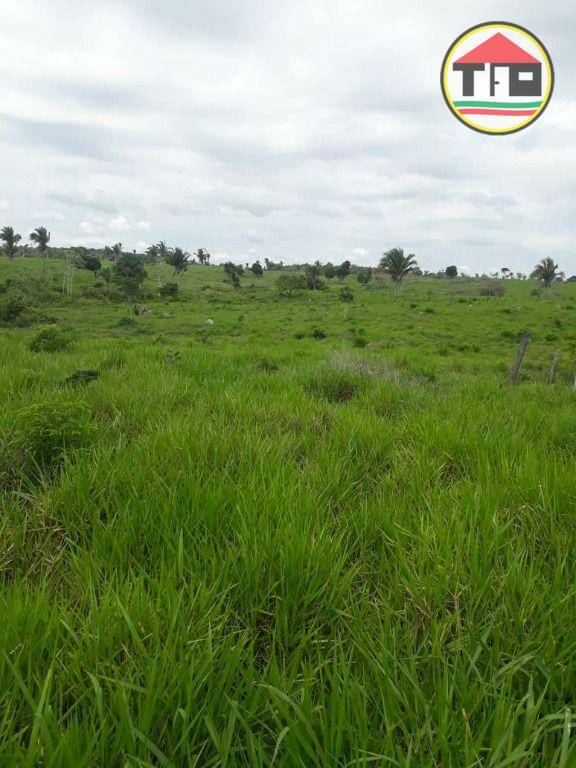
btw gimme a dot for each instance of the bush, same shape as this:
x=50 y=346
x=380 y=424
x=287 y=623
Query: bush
x=126 y=321
x=336 y=386
x=359 y=342
x=318 y=334
x=289 y=284
x=11 y=307
x=45 y=432
x=168 y=290
x=493 y=289
x=346 y=295
x=81 y=378
x=50 y=339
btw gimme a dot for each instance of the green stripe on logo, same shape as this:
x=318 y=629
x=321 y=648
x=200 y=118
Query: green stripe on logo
x=499 y=104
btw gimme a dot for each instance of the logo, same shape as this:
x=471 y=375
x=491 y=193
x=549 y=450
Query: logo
x=497 y=78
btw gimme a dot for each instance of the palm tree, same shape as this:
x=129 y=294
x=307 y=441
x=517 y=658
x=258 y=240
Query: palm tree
x=397 y=266
x=10 y=240
x=545 y=271
x=41 y=237
x=178 y=260
x=152 y=252
x=113 y=252
x=203 y=256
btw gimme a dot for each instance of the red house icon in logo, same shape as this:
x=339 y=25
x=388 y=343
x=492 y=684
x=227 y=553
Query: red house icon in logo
x=524 y=72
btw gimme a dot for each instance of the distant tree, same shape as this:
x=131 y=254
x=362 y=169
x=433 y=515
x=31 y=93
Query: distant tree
x=571 y=279
x=346 y=295
x=545 y=272
x=113 y=252
x=203 y=256
x=163 y=250
x=395 y=264
x=451 y=271
x=129 y=273
x=178 y=259
x=41 y=237
x=152 y=253
x=271 y=265
x=329 y=271
x=343 y=270
x=312 y=276
x=88 y=261
x=289 y=283
x=256 y=269
x=364 y=276
x=106 y=275
x=506 y=273
x=233 y=273
x=10 y=240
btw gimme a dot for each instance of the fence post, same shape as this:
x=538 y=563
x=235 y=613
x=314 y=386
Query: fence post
x=553 y=366
x=524 y=341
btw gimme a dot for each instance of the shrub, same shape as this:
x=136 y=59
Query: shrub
x=359 y=341
x=50 y=339
x=11 y=307
x=265 y=365
x=346 y=295
x=45 y=432
x=168 y=290
x=318 y=334
x=81 y=378
x=336 y=386
x=289 y=283
x=493 y=289
x=126 y=321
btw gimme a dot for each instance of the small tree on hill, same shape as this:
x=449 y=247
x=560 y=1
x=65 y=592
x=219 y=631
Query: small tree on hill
x=203 y=256
x=178 y=259
x=364 y=276
x=10 y=240
x=312 y=277
x=113 y=252
x=451 y=271
x=289 y=283
x=329 y=271
x=88 y=261
x=129 y=273
x=256 y=269
x=545 y=272
x=397 y=266
x=41 y=237
x=233 y=273
x=346 y=295
x=343 y=270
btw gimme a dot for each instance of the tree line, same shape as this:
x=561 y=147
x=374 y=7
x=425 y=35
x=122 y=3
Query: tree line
x=394 y=263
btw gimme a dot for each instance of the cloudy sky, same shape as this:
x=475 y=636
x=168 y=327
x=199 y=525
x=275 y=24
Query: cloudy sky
x=301 y=130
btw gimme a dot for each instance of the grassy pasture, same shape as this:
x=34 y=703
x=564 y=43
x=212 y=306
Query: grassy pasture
x=253 y=544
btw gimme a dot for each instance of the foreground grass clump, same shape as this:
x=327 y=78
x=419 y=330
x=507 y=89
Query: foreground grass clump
x=43 y=434
x=50 y=339
x=232 y=547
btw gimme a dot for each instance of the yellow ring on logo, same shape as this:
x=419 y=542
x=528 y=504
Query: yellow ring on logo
x=450 y=55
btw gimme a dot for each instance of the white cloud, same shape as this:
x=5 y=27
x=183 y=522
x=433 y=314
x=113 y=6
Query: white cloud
x=119 y=223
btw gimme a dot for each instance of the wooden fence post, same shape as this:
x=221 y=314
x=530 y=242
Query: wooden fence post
x=553 y=366
x=524 y=341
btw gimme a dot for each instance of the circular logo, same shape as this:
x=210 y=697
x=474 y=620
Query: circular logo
x=497 y=77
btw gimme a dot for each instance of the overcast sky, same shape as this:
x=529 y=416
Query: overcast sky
x=295 y=130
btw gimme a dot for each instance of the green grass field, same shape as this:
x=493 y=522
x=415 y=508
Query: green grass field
x=308 y=534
